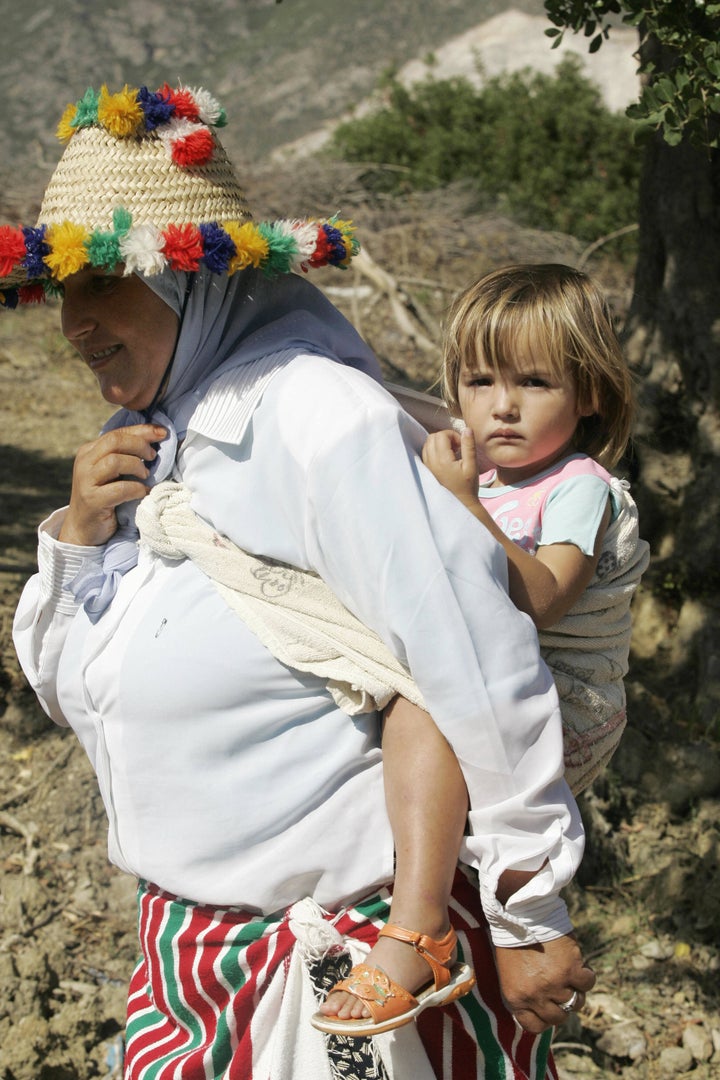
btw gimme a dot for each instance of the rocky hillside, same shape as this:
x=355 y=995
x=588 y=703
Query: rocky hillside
x=283 y=71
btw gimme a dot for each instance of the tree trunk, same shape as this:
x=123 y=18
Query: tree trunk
x=672 y=339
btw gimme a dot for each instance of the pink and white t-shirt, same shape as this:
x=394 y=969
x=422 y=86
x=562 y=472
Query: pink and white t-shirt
x=563 y=505
x=587 y=650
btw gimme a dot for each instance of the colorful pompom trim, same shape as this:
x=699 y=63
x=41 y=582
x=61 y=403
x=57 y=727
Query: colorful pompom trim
x=48 y=254
x=182 y=118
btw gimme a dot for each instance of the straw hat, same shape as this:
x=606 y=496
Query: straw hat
x=145 y=181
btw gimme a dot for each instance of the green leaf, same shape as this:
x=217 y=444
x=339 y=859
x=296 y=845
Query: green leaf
x=672 y=136
x=650 y=98
x=666 y=89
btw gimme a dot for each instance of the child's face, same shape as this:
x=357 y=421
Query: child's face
x=523 y=418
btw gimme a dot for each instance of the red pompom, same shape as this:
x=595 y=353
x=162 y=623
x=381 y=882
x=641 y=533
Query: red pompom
x=193 y=149
x=12 y=249
x=183 y=247
x=31 y=294
x=321 y=254
x=184 y=102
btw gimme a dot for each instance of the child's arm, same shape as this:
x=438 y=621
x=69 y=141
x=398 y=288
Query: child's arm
x=544 y=585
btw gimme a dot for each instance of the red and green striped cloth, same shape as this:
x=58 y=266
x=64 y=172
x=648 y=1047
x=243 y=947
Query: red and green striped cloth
x=209 y=1001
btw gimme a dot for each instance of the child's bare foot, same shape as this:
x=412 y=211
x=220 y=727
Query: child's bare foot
x=399 y=961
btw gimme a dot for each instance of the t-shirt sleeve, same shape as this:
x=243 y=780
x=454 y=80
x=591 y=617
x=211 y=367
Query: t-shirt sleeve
x=573 y=512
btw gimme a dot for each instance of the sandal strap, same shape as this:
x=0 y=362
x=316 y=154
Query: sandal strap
x=436 y=953
x=384 y=998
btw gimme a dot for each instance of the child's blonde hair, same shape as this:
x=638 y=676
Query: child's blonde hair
x=558 y=316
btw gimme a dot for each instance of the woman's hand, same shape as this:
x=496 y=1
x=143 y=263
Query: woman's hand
x=108 y=472
x=452 y=459
x=537 y=980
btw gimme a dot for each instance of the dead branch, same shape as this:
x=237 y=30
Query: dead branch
x=592 y=248
x=408 y=314
x=29 y=835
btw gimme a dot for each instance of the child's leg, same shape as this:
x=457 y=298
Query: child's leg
x=427 y=806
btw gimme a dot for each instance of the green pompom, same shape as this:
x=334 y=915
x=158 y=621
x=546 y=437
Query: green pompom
x=87 y=109
x=104 y=250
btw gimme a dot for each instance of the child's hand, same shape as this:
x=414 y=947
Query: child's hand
x=537 y=979
x=452 y=459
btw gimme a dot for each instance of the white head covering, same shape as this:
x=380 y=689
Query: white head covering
x=247 y=316
x=229 y=322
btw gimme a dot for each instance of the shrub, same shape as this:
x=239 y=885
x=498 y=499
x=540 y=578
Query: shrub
x=543 y=147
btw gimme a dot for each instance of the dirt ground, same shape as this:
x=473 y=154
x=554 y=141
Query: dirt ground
x=646 y=905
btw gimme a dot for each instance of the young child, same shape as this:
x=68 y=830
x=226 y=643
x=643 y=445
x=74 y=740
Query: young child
x=533 y=367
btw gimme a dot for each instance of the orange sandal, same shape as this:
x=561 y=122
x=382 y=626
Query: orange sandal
x=389 y=1004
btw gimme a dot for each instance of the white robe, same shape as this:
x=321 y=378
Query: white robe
x=230 y=779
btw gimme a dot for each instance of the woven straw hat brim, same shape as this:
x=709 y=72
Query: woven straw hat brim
x=99 y=173
x=12 y=281
x=166 y=197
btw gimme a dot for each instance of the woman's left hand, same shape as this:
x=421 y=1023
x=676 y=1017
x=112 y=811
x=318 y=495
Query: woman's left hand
x=542 y=983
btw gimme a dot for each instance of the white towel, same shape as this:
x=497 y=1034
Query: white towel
x=293 y=612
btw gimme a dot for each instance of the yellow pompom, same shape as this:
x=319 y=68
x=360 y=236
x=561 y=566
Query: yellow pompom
x=347 y=231
x=65 y=130
x=68 y=252
x=121 y=114
x=252 y=247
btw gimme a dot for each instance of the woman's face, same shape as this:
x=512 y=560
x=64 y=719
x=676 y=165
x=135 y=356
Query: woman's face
x=123 y=331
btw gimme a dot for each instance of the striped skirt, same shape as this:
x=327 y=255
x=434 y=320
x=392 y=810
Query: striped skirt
x=220 y=995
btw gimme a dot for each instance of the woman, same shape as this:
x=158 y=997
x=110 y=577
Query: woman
x=247 y=803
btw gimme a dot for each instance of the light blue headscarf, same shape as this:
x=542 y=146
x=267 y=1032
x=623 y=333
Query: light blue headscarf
x=225 y=323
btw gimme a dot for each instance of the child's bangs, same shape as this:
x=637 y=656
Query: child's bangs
x=521 y=334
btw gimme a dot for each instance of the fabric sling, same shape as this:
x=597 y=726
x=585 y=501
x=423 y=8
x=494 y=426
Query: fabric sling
x=222 y=995
x=293 y=612
x=587 y=650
